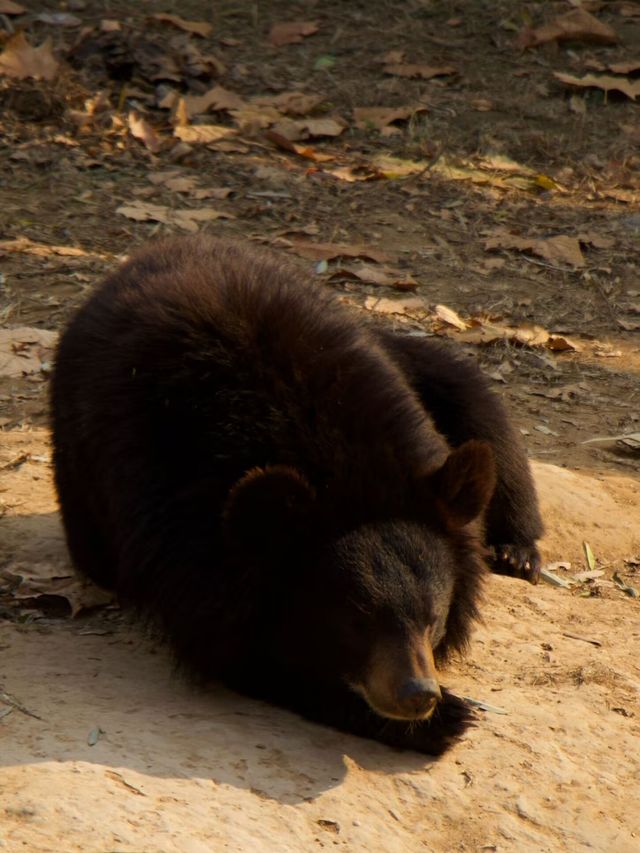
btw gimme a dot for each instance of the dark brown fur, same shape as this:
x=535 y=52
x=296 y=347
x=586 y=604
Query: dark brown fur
x=274 y=484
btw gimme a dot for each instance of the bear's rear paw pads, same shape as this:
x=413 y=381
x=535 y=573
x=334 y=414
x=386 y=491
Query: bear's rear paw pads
x=518 y=561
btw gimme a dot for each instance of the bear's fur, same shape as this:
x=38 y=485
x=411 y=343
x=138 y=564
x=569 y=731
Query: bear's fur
x=295 y=499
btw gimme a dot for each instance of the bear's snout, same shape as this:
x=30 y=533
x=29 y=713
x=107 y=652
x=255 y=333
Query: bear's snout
x=419 y=696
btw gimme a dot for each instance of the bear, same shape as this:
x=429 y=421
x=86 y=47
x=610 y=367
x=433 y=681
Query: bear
x=303 y=504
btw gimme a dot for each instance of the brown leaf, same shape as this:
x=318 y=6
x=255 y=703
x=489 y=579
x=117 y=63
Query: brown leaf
x=290 y=103
x=577 y=25
x=596 y=240
x=381 y=117
x=41 y=580
x=142 y=130
x=327 y=251
x=424 y=72
x=188 y=219
x=217 y=98
x=203 y=133
x=450 y=317
x=306 y=151
x=382 y=305
x=558 y=343
x=629 y=10
x=321 y=126
x=8 y=7
x=291 y=32
x=252 y=117
x=20 y=60
x=385 y=276
x=562 y=248
x=142 y=211
x=199 y=28
x=629 y=67
x=630 y=88
x=25 y=350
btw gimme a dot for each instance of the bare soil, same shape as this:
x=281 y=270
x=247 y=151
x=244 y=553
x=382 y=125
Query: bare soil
x=102 y=747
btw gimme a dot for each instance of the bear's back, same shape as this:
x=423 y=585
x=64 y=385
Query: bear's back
x=203 y=358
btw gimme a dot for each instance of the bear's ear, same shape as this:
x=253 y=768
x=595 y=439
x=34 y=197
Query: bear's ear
x=465 y=484
x=268 y=508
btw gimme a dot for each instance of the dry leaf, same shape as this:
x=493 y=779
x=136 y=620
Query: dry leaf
x=382 y=117
x=142 y=211
x=7 y=7
x=39 y=580
x=188 y=219
x=577 y=25
x=628 y=67
x=561 y=249
x=450 y=317
x=596 y=240
x=558 y=343
x=59 y=19
x=385 y=276
x=424 y=72
x=321 y=126
x=629 y=10
x=327 y=251
x=143 y=131
x=25 y=350
x=291 y=32
x=290 y=103
x=252 y=117
x=199 y=28
x=20 y=60
x=383 y=305
x=217 y=98
x=203 y=133
x=606 y=82
x=306 y=151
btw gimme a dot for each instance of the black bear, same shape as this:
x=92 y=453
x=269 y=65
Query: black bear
x=296 y=499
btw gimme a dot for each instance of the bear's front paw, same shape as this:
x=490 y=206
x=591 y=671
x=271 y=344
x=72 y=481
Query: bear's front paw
x=517 y=561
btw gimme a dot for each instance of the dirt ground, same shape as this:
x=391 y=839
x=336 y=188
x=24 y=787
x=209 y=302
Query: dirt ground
x=490 y=201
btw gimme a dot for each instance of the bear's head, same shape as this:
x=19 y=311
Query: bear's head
x=374 y=604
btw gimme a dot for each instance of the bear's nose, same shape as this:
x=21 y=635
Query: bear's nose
x=418 y=696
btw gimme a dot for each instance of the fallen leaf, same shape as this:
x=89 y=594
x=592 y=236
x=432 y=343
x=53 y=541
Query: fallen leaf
x=59 y=19
x=629 y=10
x=291 y=32
x=217 y=98
x=321 y=126
x=606 y=82
x=327 y=251
x=142 y=130
x=20 y=60
x=596 y=240
x=395 y=167
x=450 y=317
x=305 y=151
x=385 y=276
x=252 y=117
x=7 y=7
x=424 y=72
x=188 y=219
x=40 y=580
x=290 y=103
x=25 y=350
x=631 y=591
x=577 y=25
x=199 y=28
x=381 y=117
x=203 y=133
x=382 y=305
x=562 y=248
x=558 y=343
x=628 y=67
x=142 y=211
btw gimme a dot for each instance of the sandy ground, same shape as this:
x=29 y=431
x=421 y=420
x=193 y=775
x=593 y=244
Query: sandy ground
x=117 y=754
